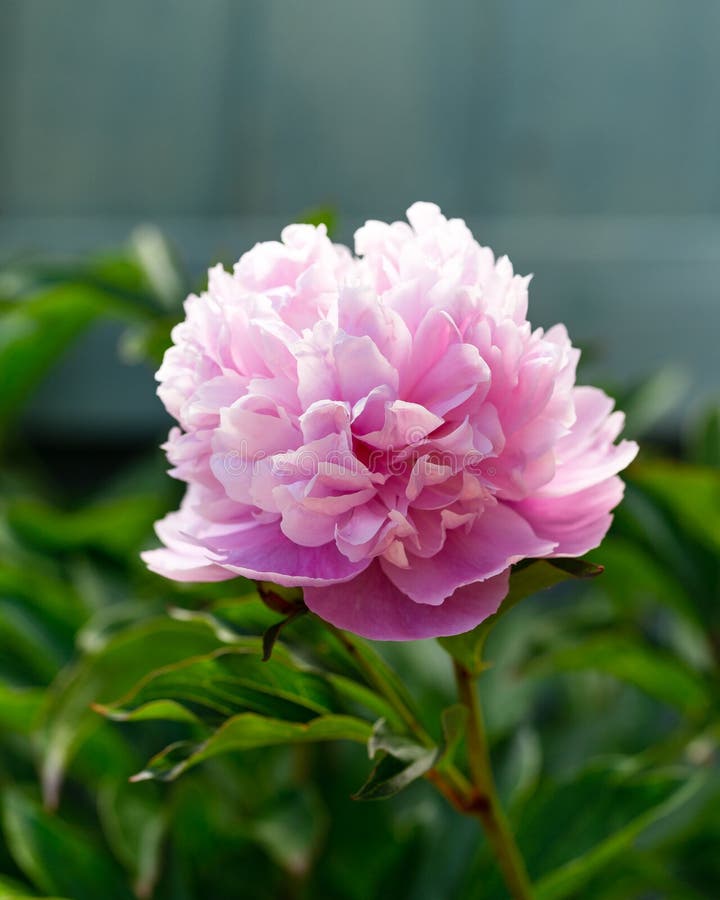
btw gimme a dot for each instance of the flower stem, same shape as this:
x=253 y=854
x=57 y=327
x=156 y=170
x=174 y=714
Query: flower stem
x=479 y=798
x=450 y=781
x=382 y=684
x=485 y=803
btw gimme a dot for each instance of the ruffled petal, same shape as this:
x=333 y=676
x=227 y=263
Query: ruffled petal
x=498 y=538
x=372 y=606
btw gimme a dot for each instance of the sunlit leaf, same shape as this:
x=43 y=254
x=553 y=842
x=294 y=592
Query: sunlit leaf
x=248 y=731
x=159 y=264
x=9 y=888
x=691 y=493
x=19 y=708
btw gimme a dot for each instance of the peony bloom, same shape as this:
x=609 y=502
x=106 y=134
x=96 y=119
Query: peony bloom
x=387 y=432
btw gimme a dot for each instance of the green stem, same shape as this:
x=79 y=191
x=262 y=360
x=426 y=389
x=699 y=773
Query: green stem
x=383 y=686
x=449 y=781
x=478 y=798
x=485 y=803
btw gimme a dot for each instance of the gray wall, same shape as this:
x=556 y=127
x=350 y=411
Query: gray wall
x=582 y=138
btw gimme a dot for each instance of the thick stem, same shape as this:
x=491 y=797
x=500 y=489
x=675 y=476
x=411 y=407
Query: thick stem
x=485 y=803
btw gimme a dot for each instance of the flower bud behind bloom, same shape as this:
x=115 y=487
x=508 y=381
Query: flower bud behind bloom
x=385 y=431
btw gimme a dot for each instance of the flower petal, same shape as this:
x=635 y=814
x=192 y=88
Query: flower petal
x=372 y=606
x=498 y=538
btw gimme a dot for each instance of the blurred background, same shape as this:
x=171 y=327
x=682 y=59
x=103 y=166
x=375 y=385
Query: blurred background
x=142 y=142
x=580 y=139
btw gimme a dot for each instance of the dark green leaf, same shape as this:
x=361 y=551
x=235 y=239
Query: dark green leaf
x=569 y=879
x=401 y=761
x=36 y=331
x=658 y=674
x=57 y=858
x=705 y=439
x=135 y=824
x=392 y=775
x=230 y=681
x=13 y=890
x=273 y=632
x=99 y=677
x=291 y=830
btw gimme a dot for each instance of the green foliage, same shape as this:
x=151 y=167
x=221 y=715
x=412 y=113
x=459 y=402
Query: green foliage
x=400 y=762
x=147 y=750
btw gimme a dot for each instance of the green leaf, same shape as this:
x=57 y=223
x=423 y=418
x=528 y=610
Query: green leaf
x=13 y=890
x=392 y=775
x=705 y=439
x=36 y=331
x=526 y=579
x=248 y=731
x=569 y=879
x=135 y=825
x=117 y=526
x=232 y=620
x=159 y=264
x=19 y=709
x=363 y=658
x=273 y=632
x=654 y=399
x=97 y=678
x=353 y=693
x=401 y=761
x=656 y=673
x=521 y=768
x=152 y=711
x=322 y=215
x=56 y=857
x=30 y=584
x=233 y=680
x=636 y=581
x=690 y=493
x=291 y=830
x=454 y=720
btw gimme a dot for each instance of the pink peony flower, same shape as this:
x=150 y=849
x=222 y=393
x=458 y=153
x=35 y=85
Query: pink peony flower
x=387 y=431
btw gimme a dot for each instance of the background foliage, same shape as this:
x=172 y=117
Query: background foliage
x=602 y=696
